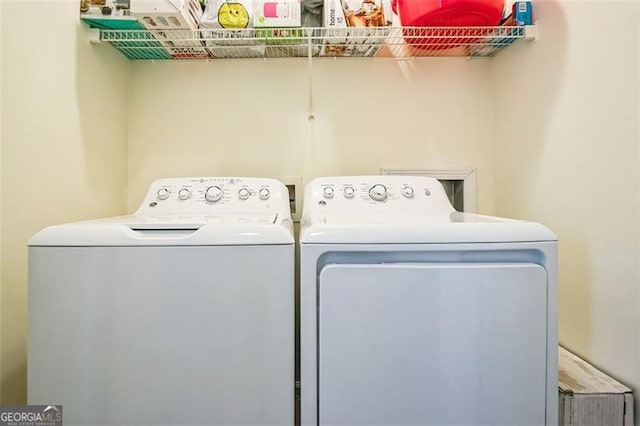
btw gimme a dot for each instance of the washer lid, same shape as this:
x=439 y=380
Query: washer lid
x=160 y=222
x=415 y=229
x=190 y=211
x=147 y=230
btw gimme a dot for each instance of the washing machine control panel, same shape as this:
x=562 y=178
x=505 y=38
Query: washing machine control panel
x=376 y=193
x=205 y=195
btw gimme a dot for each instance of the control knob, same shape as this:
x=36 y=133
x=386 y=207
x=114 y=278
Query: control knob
x=264 y=193
x=213 y=194
x=407 y=191
x=244 y=194
x=163 y=193
x=378 y=192
x=184 y=194
x=349 y=192
x=327 y=192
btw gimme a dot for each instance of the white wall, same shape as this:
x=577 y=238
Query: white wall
x=251 y=118
x=567 y=145
x=63 y=147
x=1 y=7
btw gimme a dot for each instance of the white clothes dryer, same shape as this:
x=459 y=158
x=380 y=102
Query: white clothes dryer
x=180 y=314
x=414 y=314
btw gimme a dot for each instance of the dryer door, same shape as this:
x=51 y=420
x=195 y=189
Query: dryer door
x=432 y=344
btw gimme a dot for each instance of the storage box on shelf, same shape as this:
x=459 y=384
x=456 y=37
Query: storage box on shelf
x=160 y=17
x=348 y=17
x=390 y=42
x=116 y=15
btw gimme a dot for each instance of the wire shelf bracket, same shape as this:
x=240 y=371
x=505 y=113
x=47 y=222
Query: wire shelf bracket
x=94 y=35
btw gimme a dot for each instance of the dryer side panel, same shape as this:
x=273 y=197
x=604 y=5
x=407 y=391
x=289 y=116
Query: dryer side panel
x=432 y=344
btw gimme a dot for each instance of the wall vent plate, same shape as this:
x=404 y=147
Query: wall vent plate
x=294 y=185
x=460 y=183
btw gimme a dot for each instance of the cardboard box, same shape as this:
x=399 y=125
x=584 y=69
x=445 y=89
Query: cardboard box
x=280 y=36
x=161 y=15
x=335 y=41
x=105 y=8
x=224 y=14
x=108 y=14
x=589 y=397
x=355 y=27
x=522 y=13
x=227 y=27
x=116 y=15
x=277 y=14
x=517 y=13
x=229 y=44
x=367 y=13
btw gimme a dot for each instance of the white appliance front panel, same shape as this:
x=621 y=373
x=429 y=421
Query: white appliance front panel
x=163 y=335
x=434 y=344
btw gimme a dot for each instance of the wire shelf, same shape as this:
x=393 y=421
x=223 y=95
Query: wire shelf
x=392 y=42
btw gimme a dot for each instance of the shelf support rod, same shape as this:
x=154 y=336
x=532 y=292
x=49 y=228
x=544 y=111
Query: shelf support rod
x=311 y=115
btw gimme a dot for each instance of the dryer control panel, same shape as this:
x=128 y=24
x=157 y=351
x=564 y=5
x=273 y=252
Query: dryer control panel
x=206 y=195
x=363 y=194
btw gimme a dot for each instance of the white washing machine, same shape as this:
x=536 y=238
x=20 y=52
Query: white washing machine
x=413 y=313
x=180 y=314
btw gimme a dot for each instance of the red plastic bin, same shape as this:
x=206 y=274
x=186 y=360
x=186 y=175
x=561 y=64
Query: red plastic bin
x=446 y=13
